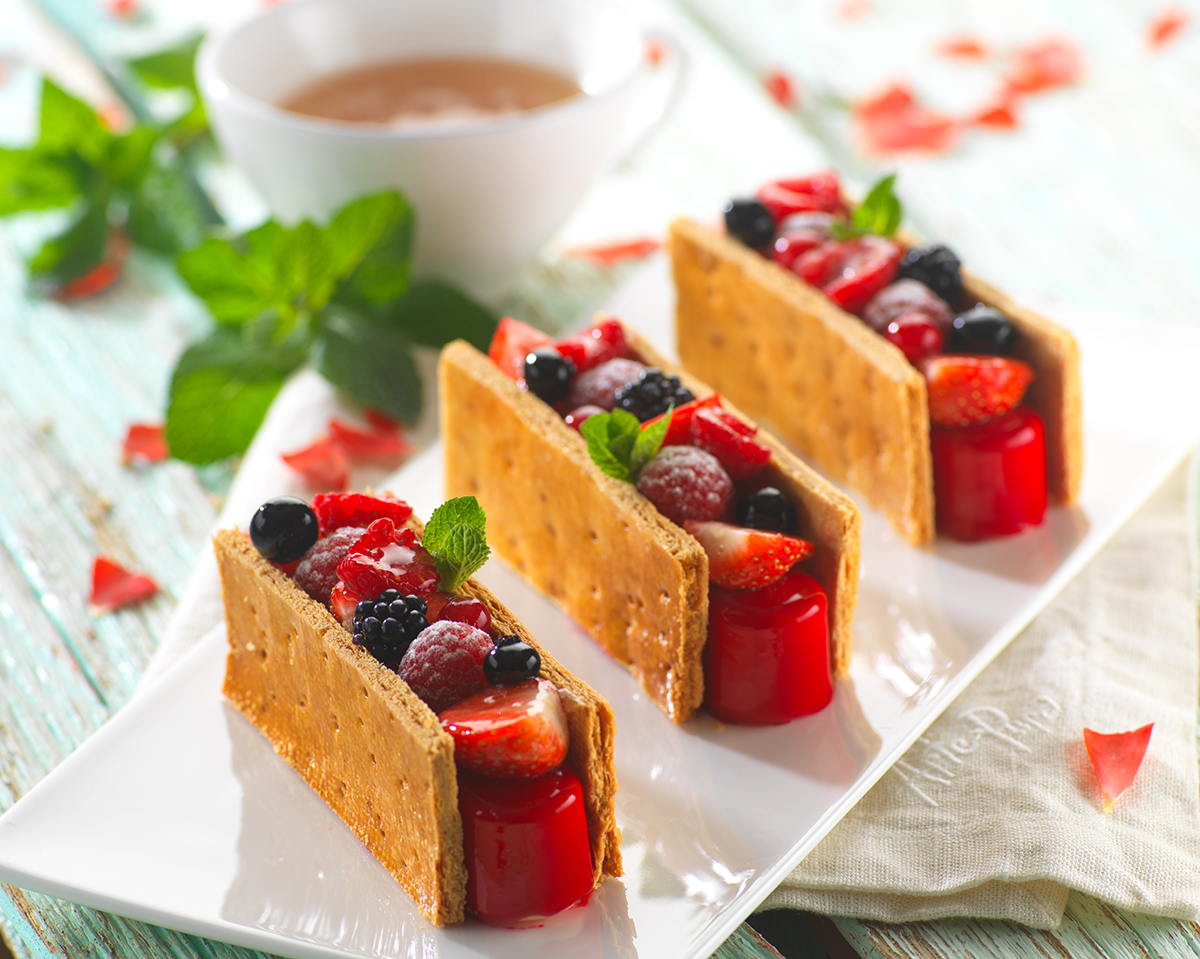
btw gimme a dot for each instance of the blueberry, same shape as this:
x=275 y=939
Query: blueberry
x=750 y=222
x=982 y=329
x=284 y=529
x=548 y=374
x=767 y=509
x=511 y=660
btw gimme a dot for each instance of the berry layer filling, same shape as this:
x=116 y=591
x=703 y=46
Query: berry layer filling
x=526 y=840
x=700 y=466
x=914 y=297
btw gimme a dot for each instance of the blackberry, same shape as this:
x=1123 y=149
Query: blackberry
x=548 y=374
x=750 y=222
x=651 y=394
x=767 y=509
x=284 y=529
x=982 y=329
x=937 y=267
x=511 y=660
x=386 y=625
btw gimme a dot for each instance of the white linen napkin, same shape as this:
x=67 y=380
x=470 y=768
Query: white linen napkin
x=995 y=811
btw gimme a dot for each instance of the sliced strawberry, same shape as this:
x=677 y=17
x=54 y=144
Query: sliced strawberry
x=970 y=389
x=323 y=464
x=851 y=272
x=511 y=342
x=335 y=510
x=376 y=445
x=604 y=340
x=343 y=603
x=1116 y=757
x=113 y=586
x=821 y=191
x=679 y=433
x=741 y=558
x=509 y=731
x=730 y=440
x=388 y=557
x=792 y=244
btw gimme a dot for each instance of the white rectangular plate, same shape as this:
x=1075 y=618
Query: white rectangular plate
x=178 y=812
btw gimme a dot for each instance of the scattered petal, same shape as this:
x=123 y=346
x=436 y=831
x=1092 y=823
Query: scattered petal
x=893 y=121
x=854 y=9
x=100 y=278
x=1165 y=27
x=144 y=443
x=656 y=51
x=963 y=48
x=610 y=253
x=1044 y=65
x=125 y=9
x=1116 y=757
x=781 y=88
x=381 y=422
x=1000 y=115
x=323 y=464
x=386 y=445
x=113 y=586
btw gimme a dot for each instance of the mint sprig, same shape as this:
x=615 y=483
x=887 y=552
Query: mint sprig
x=455 y=538
x=337 y=297
x=880 y=213
x=620 y=445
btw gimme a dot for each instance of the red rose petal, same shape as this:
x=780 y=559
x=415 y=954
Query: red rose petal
x=963 y=48
x=781 y=88
x=113 y=586
x=610 y=253
x=893 y=122
x=380 y=422
x=1116 y=757
x=1001 y=115
x=1165 y=27
x=373 y=445
x=854 y=9
x=144 y=443
x=655 y=51
x=1044 y=65
x=323 y=464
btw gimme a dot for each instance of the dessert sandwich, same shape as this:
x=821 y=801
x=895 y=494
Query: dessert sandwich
x=657 y=516
x=880 y=360
x=471 y=764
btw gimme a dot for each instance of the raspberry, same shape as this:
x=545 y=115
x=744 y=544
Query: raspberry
x=317 y=572
x=335 y=510
x=652 y=394
x=388 y=558
x=599 y=385
x=684 y=483
x=905 y=296
x=445 y=663
x=386 y=625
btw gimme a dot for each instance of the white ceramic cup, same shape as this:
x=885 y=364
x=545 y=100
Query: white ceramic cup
x=488 y=192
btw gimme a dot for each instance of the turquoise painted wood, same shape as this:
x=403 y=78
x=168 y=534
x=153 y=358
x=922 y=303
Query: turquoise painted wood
x=1063 y=210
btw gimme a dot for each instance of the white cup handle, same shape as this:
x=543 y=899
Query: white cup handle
x=662 y=88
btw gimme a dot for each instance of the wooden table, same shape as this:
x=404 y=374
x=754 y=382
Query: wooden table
x=1090 y=202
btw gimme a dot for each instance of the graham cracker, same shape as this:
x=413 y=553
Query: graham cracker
x=364 y=741
x=837 y=392
x=633 y=580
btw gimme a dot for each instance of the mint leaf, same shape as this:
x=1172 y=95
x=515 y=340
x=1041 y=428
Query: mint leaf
x=167 y=212
x=172 y=68
x=31 y=180
x=455 y=537
x=432 y=313
x=69 y=126
x=620 y=445
x=370 y=242
x=880 y=213
x=76 y=251
x=370 y=360
x=219 y=393
x=236 y=278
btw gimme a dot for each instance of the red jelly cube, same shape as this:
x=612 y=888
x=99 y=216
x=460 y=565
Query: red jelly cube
x=989 y=479
x=767 y=656
x=526 y=843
